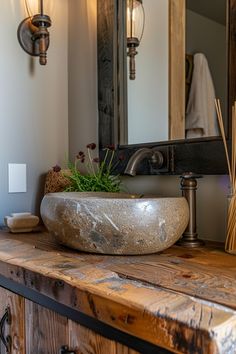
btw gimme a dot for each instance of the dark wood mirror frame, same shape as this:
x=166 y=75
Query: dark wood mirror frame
x=202 y=156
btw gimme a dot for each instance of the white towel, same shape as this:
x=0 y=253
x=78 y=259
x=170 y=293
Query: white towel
x=201 y=119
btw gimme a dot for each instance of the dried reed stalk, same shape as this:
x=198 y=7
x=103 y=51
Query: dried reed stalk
x=230 y=243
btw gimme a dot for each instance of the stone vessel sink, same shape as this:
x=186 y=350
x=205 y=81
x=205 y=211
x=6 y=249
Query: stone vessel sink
x=114 y=223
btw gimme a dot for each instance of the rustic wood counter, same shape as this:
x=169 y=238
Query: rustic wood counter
x=181 y=300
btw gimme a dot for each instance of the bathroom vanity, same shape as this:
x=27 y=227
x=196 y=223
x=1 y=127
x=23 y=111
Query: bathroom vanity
x=56 y=300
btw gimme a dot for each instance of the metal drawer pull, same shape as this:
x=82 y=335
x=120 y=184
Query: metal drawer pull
x=6 y=318
x=65 y=350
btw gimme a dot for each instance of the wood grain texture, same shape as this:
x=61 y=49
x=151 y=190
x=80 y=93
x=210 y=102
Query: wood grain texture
x=207 y=283
x=45 y=330
x=181 y=300
x=176 y=69
x=107 y=55
x=121 y=349
x=85 y=341
x=16 y=328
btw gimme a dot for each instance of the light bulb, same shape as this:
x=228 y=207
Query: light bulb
x=135 y=19
x=32 y=7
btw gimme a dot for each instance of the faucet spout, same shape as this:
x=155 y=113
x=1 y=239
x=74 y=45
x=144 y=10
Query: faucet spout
x=154 y=155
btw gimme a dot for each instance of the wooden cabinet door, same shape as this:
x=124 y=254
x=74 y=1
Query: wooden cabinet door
x=15 y=328
x=84 y=341
x=45 y=331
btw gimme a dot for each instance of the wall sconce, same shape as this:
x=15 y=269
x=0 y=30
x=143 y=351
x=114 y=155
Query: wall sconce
x=135 y=28
x=33 y=34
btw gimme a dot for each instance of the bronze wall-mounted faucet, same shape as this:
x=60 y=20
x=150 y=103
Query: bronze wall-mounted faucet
x=154 y=155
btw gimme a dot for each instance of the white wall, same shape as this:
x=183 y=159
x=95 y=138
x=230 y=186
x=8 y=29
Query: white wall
x=212 y=190
x=148 y=93
x=33 y=106
x=83 y=107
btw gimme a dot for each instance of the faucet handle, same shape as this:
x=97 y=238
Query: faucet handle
x=157 y=158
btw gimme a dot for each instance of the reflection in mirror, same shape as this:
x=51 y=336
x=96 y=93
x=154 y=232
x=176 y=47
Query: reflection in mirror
x=148 y=93
x=206 y=69
x=151 y=96
x=135 y=26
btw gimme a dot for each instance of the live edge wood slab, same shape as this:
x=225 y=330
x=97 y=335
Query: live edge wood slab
x=181 y=300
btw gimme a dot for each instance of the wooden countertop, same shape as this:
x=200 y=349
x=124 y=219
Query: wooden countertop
x=182 y=300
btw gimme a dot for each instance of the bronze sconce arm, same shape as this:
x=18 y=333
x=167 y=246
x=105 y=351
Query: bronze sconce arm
x=135 y=19
x=33 y=35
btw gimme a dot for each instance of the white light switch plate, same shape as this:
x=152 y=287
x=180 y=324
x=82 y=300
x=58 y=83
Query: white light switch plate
x=17 y=178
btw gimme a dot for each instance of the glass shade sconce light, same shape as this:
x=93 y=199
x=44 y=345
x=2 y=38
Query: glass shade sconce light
x=33 y=34
x=135 y=27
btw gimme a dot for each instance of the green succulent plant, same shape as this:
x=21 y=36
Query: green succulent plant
x=99 y=176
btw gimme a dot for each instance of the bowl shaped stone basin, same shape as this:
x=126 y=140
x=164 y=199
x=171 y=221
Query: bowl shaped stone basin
x=114 y=223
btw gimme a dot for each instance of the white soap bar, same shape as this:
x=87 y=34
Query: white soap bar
x=19 y=215
x=21 y=224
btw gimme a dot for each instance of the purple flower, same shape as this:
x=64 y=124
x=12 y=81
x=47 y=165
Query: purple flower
x=91 y=146
x=56 y=168
x=80 y=156
x=111 y=147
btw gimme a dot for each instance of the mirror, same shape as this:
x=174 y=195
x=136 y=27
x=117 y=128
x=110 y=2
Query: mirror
x=206 y=48
x=115 y=91
x=204 y=71
x=147 y=94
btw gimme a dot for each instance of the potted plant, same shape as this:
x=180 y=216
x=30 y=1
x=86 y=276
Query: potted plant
x=99 y=175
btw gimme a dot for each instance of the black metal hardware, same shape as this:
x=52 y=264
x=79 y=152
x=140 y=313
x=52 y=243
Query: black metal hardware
x=7 y=341
x=65 y=350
